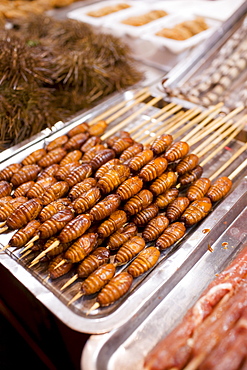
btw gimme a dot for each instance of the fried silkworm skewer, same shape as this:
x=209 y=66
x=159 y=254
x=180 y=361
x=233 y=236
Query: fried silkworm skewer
x=121 y=236
x=219 y=189
x=26 y=212
x=166 y=198
x=55 y=223
x=81 y=187
x=106 y=167
x=101 y=158
x=105 y=207
x=65 y=170
x=82 y=127
x=49 y=171
x=73 y=156
x=153 y=169
x=90 y=143
x=140 y=160
x=9 y=171
x=5 y=188
x=139 y=202
x=87 y=200
x=116 y=220
x=189 y=177
x=163 y=182
x=39 y=188
x=130 y=187
x=198 y=189
x=95 y=259
x=146 y=215
x=176 y=151
x=76 y=141
x=54 y=271
x=57 y=143
x=55 y=191
x=129 y=250
x=117 y=287
x=34 y=157
x=9 y=207
x=161 y=143
x=97 y=129
x=131 y=152
x=50 y=209
x=171 y=235
x=145 y=260
x=113 y=178
x=176 y=208
x=196 y=211
x=79 y=174
x=88 y=156
x=187 y=164
x=22 y=190
x=25 y=174
x=52 y=157
x=122 y=144
x=75 y=228
x=96 y=281
x=155 y=228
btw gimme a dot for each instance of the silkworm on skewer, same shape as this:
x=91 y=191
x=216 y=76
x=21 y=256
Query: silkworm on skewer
x=55 y=191
x=163 y=182
x=122 y=144
x=117 y=287
x=155 y=227
x=75 y=228
x=198 y=189
x=106 y=167
x=65 y=170
x=113 y=178
x=176 y=208
x=7 y=208
x=22 y=190
x=96 y=281
x=187 y=164
x=90 y=143
x=172 y=234
x=105 y=207
x=76 y=141
x=101 y=158
x=9 y=171
x=81 y=187
x=95 y=259
x=190 y=177
x=116 y=220
x=50 y=209
x=121 y=236
x=153 y=169
x=79 y=174
x=129 y=250
x=139 y=202
x=146 y=215
x=167 y=197
x=145 y=260
x=39 y=188
x=196 y=211
x=34 y=157
x=161 y=143
x=23 y=235
x=73 y=156
x=54 y=251
x=87 y=200
x=219 y=189
x=139 y=160
x=25 y=174
x=55 y=223
x=131 y=152
x=90 y=154
x=52 y=157
x=57 y=143
x=82 y=127
x=129 y=187
x=54 y=271
x=97 y=129
x=113 y=138
x=4 y=200
x=176 y=151
x=5 y=188
x=49 y=171
x=26 y=212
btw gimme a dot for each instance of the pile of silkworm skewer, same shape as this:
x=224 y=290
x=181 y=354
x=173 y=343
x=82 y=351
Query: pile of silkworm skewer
x=89 y=203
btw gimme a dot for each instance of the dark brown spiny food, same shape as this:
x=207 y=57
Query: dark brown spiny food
x=81 y=248
x=113 y=178
x=26 y=212
x=79 y=174
x=171 y=235
x=198 y=189
x=160 y=144
x=155 y=228
x=97 y=129
x=196 y=211
x=76 y=141
x=101 y=158
x=73 y=156
x=166 y=198
x=145 y=260
x=52 y=157
x=98 y=257
x=54 y=272
x=131 y=152
x=176 y=151
x=187 y=164
x=176 y=208
x=65 y=170
x=25 y=174
x=153 y=169
x=39 y=188
x=143 y=217
x=50 y=209
x=55 y=191
x=116 y=220
x=115 y=289
x=189 y=177
x=106 y=167
x=22 y=236
x=129 y=250
x=219 y=189
x=122 y=235
x=82 y=127
x=90 y=143
x=139 y=160
x=75 y=228
x=34 y=157
x=82 y=187
x=23 y=189
x=9 y=171
x=130 y=187
x=87 y=200
x=5 y=188
x=163 y=182
x=57 y=143
x=98 y=279
x=105 y=207
x=55 y=223
x=139 y=202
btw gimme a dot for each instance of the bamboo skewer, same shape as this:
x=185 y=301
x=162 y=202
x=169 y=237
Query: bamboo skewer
x=43 y=253
x=118 y=106
x=238 y=170
x=70 y=281
x=77 y=296
x=2 y=223
x=131 y=117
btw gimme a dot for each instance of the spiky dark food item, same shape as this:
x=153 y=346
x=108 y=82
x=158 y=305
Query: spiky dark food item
x=63 y=68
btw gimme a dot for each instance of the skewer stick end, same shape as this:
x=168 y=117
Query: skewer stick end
x=69 y=282
x=60 y=264
x=77 y=296
x=3 y=229
x=4 y=248
x=94 y=307
x=2 y=223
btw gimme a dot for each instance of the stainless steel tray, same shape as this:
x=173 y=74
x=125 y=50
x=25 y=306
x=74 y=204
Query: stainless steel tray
x=126 y=347
x=173 y=264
